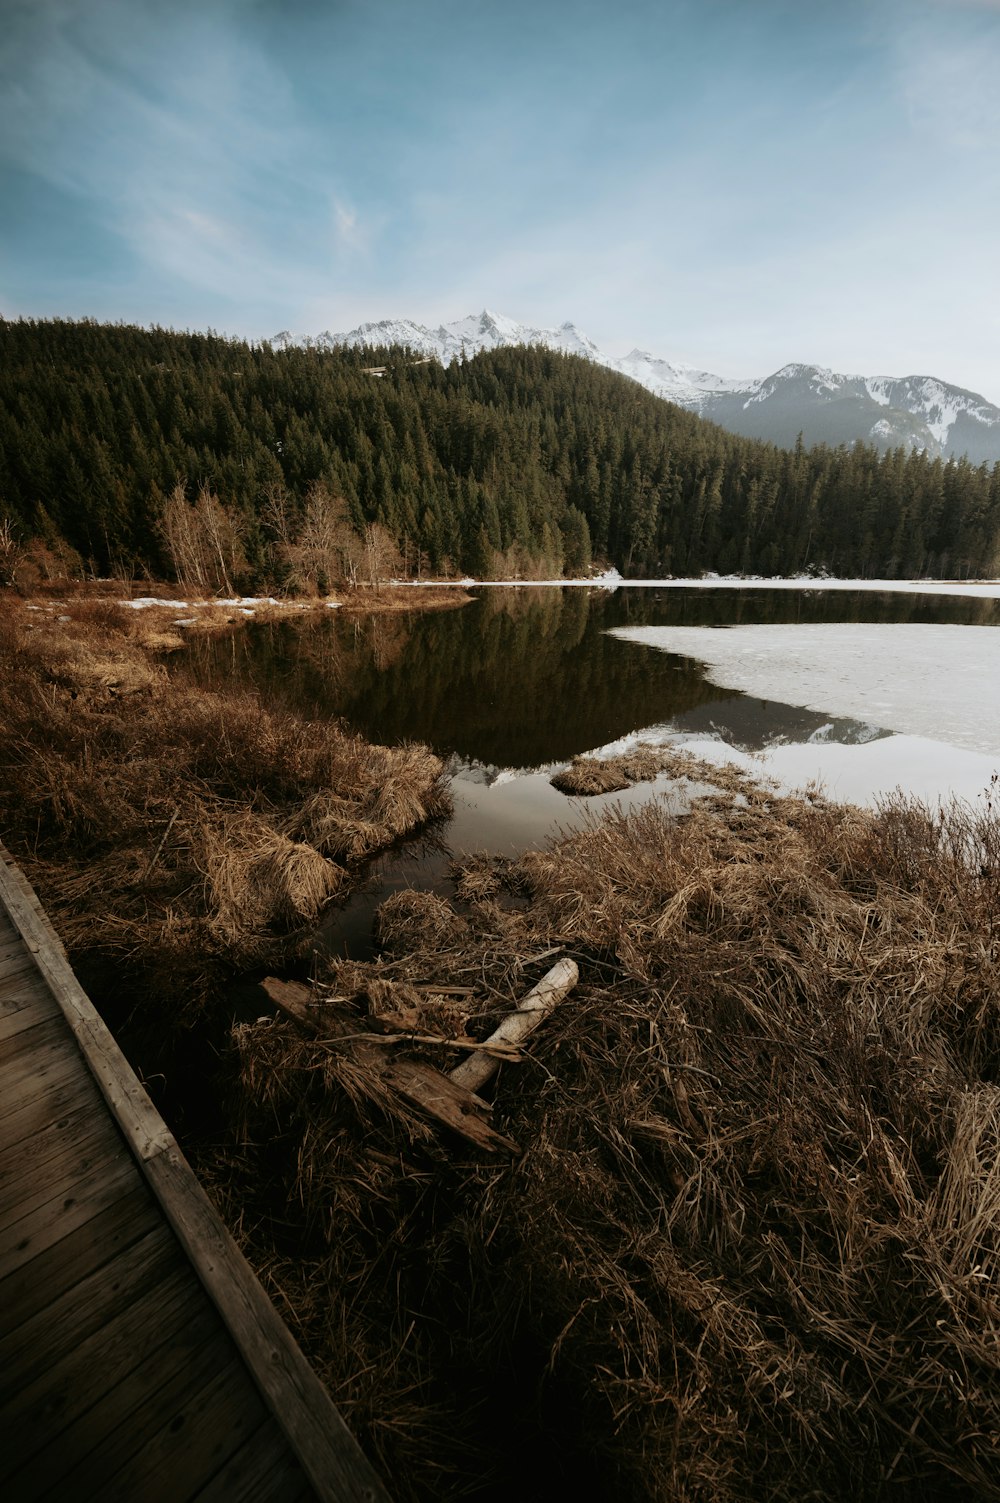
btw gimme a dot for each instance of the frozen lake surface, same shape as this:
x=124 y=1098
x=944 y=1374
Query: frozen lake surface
x=937 y=686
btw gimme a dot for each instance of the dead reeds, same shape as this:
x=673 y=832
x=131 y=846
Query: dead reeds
x=750 y=1246
x=146 y=810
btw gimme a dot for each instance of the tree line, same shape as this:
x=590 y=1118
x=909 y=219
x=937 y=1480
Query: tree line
x=236 y=465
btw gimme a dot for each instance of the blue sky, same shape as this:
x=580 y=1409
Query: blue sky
x=734 y=183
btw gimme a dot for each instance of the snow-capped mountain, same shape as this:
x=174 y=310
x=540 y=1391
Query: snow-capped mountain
x=912 y=412
x=915 y=412
x=480 y=331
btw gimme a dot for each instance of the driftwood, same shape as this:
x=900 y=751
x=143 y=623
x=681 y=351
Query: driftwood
x=475 y=1071
x=419 y=1084
x=437 y=1096
x=448 y=1099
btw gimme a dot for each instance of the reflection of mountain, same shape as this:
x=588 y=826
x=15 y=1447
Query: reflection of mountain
x=754 y=724
x=524 y=678
x=484 y=773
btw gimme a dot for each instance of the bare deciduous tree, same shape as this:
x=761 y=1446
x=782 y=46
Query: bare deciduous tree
x=327 y=550
x=382 y=556
x=11 y=552
x=204 y=541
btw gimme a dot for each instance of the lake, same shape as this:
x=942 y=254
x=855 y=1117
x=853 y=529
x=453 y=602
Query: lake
x=522 y=679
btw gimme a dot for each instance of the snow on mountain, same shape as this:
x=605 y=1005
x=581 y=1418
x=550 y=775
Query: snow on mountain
x=825 y=406
x=480 y=331
x=684 y=384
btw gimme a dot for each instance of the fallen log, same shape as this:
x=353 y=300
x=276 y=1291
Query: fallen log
x=451 y=1099
x=475 y=1071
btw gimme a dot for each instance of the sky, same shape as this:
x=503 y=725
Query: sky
x=734 y=184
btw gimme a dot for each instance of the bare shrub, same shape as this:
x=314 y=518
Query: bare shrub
x=11 y=553
x=204 y=542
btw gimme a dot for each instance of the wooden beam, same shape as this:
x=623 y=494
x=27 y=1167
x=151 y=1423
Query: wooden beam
x=455 y=1107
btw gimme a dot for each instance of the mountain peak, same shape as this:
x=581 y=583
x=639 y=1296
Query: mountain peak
x=825 y=406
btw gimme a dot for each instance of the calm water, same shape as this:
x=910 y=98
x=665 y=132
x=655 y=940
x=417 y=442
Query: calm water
x=524 y=678
x=521 y=679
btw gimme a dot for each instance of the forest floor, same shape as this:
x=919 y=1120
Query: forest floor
x=748 y=1244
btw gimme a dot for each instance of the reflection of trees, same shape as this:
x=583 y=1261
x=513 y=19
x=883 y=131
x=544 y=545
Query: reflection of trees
x=520 y=677
x=380 y=639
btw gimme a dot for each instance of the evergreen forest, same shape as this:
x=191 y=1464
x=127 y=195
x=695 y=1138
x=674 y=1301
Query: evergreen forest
x=119 y=445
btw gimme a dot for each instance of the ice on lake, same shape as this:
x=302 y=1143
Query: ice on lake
x=937 y=686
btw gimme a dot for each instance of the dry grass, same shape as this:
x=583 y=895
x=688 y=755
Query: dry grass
x=171 y=830
x=389 y=598
x=586 y=776
x=751 y=1249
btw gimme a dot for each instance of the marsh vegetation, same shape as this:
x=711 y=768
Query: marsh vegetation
x=748 y=1245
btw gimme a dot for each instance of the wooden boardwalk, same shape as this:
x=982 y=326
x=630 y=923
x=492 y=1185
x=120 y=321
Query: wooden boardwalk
x=139 y=1357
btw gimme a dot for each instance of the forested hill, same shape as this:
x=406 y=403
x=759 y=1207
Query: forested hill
x=520 y=459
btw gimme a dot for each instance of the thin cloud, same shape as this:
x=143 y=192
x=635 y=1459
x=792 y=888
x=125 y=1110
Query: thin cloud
x=349 y=231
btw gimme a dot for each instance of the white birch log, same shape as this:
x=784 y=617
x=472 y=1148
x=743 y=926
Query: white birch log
x=532 y=1010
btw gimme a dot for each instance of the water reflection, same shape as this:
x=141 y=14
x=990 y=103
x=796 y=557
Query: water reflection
x=526 y=678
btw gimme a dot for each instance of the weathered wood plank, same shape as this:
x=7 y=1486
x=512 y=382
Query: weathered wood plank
x=193 y=1438
x=260 y=1472
x=452 y=1105
x=330 y=1456
x=73 y=1140
x=135 y=1113
x=294 y=1000
x=33 y=1008
x=39 y=1283
x=31 y=1043
x=144 y=1272
x=172 y=1308
x=115 y=1350
x=18 y=965
x=50 y=1222
x=57 y=1178
x=11 y=948
x=56 y=1436
x=33 y=1115
x=28 y=1080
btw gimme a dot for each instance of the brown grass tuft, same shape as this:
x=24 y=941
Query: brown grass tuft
x=145 y=809
x=257 y=879
x=587 y=776
x=415 y=922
